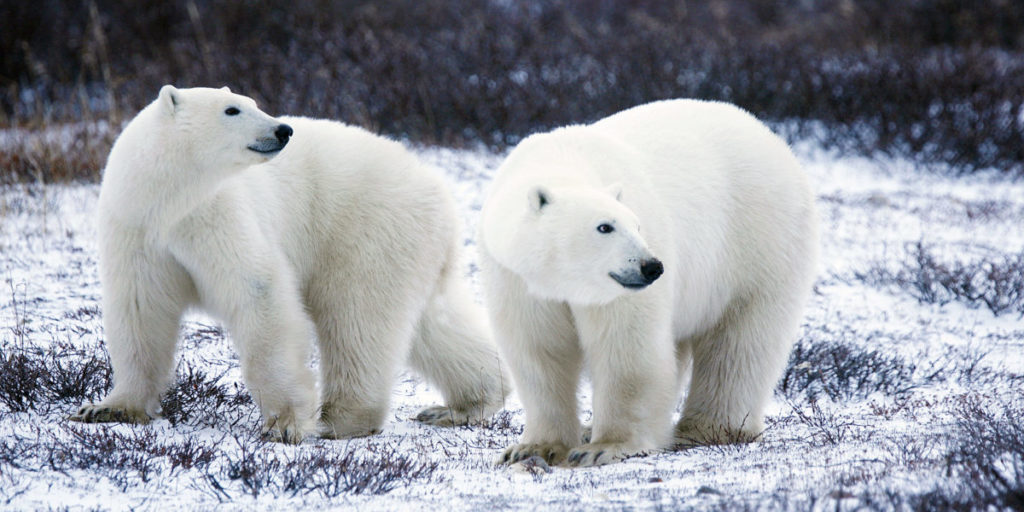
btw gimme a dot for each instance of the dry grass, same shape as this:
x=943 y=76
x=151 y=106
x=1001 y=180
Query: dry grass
x=67 y=152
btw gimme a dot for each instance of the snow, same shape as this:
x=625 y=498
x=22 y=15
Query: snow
x=816 y=453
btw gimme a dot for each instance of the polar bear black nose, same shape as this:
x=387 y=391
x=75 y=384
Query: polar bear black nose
x=282 y=133
x=651 y=269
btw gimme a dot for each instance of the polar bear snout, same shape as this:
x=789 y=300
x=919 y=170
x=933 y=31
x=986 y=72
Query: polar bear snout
x=651 y=269
x=283 y=132
x=638 y=279
x=268 y=145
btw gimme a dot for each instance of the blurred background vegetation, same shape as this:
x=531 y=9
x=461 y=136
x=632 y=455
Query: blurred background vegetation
x=938 y=81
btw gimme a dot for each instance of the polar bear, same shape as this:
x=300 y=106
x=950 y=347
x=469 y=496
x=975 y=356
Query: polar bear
x=342 y=237
x=671 y=239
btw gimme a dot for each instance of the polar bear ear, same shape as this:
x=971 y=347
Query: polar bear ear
x=170 y=98
x=615 y=190
x=539 y=198
x=225 y=89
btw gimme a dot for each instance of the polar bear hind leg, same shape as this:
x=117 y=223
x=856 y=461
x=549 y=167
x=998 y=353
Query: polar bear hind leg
x=452 y=348
x=361 y=348
x=735 y=368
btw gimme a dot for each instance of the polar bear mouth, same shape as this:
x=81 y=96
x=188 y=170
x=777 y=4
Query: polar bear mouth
x=632 y=281
x=266 y=147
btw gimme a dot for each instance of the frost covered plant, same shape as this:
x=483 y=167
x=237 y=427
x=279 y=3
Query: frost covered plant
x=984 y=463
x=989 y=453
x=839 y=369
x=995 y=283
x=33 y=377
x=254 y=470
x=198 y=398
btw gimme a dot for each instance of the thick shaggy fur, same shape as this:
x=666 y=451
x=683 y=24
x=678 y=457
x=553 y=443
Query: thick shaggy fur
x=705 y=189
x=341 y=237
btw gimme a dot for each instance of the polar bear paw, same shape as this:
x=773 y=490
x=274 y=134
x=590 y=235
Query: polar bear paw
x=598 y=454
x=287 y=429
x=99 y=413
x=691 y=434
x=444 y=416
x=552 y=453
x=338 y=425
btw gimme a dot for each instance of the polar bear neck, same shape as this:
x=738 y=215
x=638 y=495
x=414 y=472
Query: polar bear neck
x=508 y=222
x=175 y=182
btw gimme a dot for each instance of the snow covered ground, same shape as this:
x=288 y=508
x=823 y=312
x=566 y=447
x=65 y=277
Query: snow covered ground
x=894 y=385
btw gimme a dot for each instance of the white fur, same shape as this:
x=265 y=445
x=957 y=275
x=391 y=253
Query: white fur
x=703 y=187
x=343 y=237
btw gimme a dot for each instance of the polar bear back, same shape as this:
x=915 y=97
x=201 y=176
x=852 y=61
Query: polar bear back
x=350 y=194
x=721 y=200
x=718 y=171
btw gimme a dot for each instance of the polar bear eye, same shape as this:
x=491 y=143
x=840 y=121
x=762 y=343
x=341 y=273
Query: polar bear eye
x=604 y=229
x=232 y=111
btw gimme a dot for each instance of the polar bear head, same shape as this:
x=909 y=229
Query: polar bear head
x=582 y=246
x=220 y=129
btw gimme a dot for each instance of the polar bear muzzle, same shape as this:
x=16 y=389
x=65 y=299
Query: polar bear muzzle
x=268 y=145
x=638 y=279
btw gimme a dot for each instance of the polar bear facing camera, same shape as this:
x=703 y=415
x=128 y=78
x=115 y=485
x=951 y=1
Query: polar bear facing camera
x=342 y=237
x=671 y=239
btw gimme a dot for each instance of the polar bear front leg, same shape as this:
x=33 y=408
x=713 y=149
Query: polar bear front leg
x=631 y=359
x=539 y=342
x=273 y=342
x=249 y=284
x=273 y=336
x=545 y=365
x=143 y=300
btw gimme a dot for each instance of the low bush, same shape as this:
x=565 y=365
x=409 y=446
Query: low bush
x=330 y=473
x=198 y=399
x=995 y=283
x=841 y=370
x=33 y=378
x=984 y=465
x=936 y=81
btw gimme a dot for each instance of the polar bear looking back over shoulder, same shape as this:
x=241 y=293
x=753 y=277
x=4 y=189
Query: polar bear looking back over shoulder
x=674 y=235
x=341 y=236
